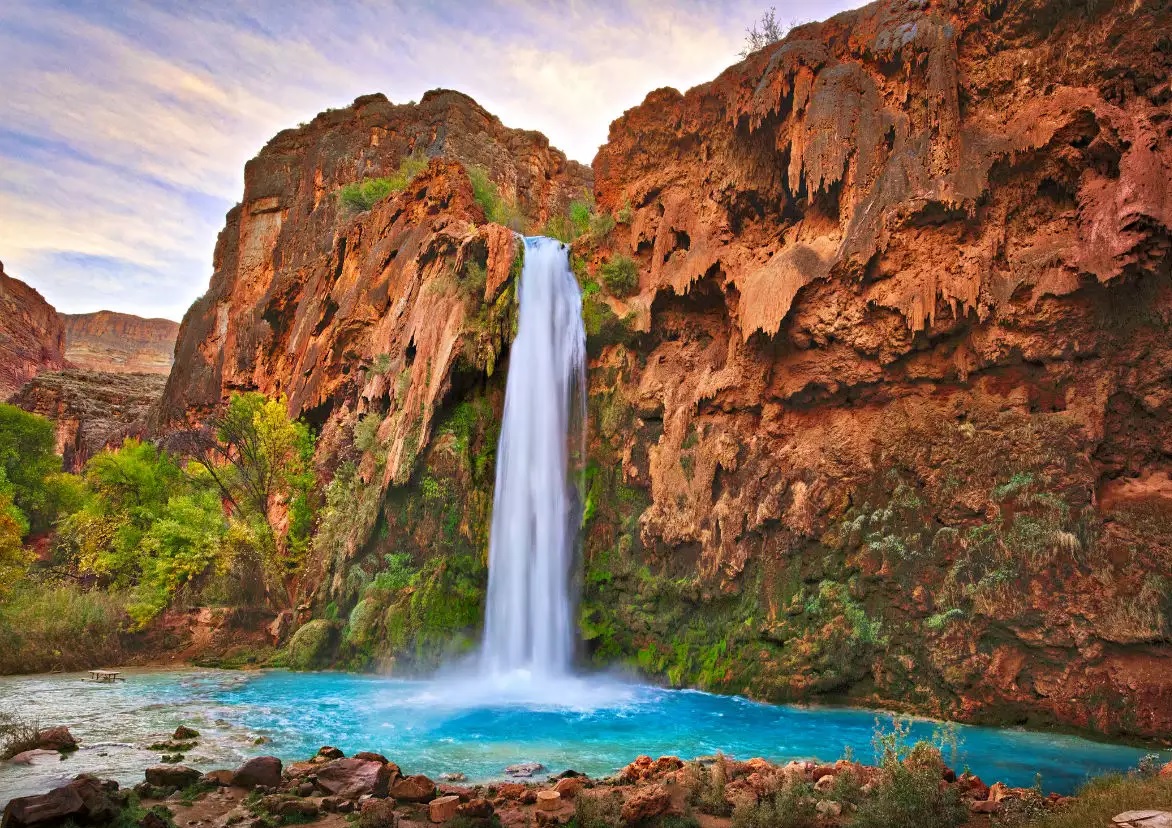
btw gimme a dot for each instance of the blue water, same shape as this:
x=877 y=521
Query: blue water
x=594 y=725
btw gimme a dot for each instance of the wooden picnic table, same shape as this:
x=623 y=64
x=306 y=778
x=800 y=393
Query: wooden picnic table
x=105 y=675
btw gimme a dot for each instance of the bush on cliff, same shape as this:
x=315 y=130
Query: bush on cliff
x=310 y=647
x=620 y=275
x=497 y=209
x=362 y=195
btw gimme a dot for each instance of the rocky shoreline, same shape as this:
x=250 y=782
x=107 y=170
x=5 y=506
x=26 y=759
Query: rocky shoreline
x=331 y=790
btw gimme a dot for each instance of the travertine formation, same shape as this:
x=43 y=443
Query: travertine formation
x=32 y=337
x=119 y=342
x=889 y=417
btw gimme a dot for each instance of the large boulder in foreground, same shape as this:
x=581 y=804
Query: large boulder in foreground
x=354 y=777
x=261 y=771
x=85 y=800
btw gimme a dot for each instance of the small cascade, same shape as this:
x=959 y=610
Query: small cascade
x=529 y=618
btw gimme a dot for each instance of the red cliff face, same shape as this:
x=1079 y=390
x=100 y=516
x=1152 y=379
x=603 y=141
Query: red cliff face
x=888 y=418
x=902 y=354
x=32 y=336
x=90 y=409
x=281 y=313
x=119 y=342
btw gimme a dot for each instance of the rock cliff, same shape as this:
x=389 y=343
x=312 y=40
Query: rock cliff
x=886 y=418
x=290 y=303
x=899 y=394
x=91 y=409
x=32 y=337
x=119 y=342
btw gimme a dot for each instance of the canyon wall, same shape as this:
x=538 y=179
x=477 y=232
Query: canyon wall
x=898 y=395
x=119 y=342
x=886 y=418
x=91 y=409
x=282 y=313
x=32 y=336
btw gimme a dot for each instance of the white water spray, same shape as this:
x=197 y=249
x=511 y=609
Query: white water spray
x=529 y=618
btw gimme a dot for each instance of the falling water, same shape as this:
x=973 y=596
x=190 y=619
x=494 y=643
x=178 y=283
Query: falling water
x=529 y=619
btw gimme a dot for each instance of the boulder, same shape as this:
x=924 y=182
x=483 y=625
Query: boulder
x=524 y=770
x=217 y=778
x=478 y=808
x=172 y=776
x=184 y=734
x=453 y=777
x=375 y=813
x=824 y=783
x=57 y=738
x=370 y=757
x=443 y=808
x=330 y=752
x=1143 y=819
x=85 y=799
x=645 y=768
x=569 y=786
x=465 y=794
x=354 y=777
x=829 y=808
x=986 y=806
x=646 y=804
x=548 y=800
x=261 y=771
x=28 y=757
x=417 y=788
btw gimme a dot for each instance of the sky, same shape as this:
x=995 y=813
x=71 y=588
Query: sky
x=125 y=125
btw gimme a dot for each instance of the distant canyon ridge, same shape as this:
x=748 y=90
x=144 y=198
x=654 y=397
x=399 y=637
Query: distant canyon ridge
x=96 y=375
x=880 y=407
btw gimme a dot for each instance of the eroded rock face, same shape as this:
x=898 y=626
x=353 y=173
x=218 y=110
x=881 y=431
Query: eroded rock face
x=112 y=342
x=898 y=389
x=32 y=336
x=301 y=293
x=91 y=410
x=886 y=419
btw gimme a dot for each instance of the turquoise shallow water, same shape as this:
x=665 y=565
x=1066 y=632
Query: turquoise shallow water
x=476 y=727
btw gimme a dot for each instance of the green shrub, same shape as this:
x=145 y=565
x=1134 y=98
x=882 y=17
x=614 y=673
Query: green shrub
x=363 y=195
x=620 y=275
x=911 y=796
x=496 y=209
x=708 y=786
x=48 y=627
x=1102 y=798
x=597 y=811
x=792 y=806
x=17 y=734
x=310 y=646
x=625 y=213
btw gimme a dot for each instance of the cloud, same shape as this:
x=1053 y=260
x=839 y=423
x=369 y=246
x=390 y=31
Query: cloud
x=125 y=127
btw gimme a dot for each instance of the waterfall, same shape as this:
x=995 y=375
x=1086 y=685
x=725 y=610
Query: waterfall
x=529 y=618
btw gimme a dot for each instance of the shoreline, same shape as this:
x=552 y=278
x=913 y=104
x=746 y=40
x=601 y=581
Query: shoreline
x=331 y=790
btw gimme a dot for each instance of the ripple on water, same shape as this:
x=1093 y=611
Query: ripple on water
x=593 y=724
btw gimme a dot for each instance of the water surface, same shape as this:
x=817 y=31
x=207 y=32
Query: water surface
x=592 y=724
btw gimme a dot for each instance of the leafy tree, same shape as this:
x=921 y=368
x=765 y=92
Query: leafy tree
x=145 y=526
x=261 y=460
x=29 y=466
x=763 y=32
x=14 y=559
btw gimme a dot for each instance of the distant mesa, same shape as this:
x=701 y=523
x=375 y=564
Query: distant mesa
x=120 y=342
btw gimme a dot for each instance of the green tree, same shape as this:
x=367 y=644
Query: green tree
x=146 y=526
x=262 y=462
x=14 y=559
x=29 y=466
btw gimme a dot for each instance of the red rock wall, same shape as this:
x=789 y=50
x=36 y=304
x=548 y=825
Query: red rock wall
x=32 y=336
x=285 y=259
x=119 y=342
x=897 y=243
